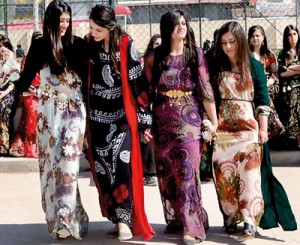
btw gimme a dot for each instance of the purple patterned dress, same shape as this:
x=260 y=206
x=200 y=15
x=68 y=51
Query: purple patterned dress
x=177 y=131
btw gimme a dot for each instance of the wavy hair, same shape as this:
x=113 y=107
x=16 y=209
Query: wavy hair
x=264 y=49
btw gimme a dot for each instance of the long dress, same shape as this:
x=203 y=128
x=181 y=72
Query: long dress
x=7 y=103
x=177 y=132
x=237 y=153
x=25 y=139
x=289 y=95
x=111 y=138
x=61 y=120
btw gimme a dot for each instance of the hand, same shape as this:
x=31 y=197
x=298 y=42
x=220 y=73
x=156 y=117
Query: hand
x=147 y=134
x=3 y=93
x=32 y=90
x=263 y=136
x=5 y=52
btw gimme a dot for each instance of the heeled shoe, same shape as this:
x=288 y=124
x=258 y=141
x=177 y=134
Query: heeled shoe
x=249 y=230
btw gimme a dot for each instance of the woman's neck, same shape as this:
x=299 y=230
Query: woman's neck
x=176 y=47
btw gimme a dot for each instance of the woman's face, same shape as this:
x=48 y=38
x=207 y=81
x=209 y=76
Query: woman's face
x=229 y=46
x=257 y=38
x=157 y=42
x=180 y=30
x=98 y=32
x=293 y=38
x=64 y=23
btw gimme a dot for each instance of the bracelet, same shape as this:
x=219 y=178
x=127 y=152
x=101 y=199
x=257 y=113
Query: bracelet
x=263 y=130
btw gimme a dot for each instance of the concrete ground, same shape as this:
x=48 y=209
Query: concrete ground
x=22 y=220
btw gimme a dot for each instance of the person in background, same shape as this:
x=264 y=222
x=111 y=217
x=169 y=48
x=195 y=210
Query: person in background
x=147 y=146
x=20 y=52
x=114 y=91
x=258 y=44
x=239 y=80
x=61 y=60
x=289 y=77
x=9 y=73
x=178 y=74
x=25 y=139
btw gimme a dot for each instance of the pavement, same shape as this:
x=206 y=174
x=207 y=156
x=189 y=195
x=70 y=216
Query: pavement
x=22 y=220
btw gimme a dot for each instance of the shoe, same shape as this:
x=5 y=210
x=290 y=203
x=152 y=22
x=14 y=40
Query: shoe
x=63 y=232
x=124 y=236
x=150 y=181
x=249 y=230
x=113 y=233
x=124 y=233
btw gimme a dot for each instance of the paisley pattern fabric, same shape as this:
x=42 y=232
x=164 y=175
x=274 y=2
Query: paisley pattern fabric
x=177 y=132
x=61 y=126
x=237 y=153
x=110 y=134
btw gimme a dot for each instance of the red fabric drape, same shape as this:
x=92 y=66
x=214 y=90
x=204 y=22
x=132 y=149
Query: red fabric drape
x=139 y=219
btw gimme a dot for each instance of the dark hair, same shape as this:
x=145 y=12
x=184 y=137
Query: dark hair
x=6 y=42
x=105 y=16
x=286 y=43
x=264 y=50
x=55 y=9
x=167 y=25
x=150 y=47
x=243 y=51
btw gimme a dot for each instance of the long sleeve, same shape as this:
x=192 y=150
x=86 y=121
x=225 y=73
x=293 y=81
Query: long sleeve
x=35 y=59
x=139 y=86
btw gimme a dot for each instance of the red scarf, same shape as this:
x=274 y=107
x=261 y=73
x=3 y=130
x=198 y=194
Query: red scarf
x=139 y=218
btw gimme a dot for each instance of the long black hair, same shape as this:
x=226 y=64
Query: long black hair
x=105 y=16
x=264 y=50
x=167 y=25
x=51 y=31
x=286 y=43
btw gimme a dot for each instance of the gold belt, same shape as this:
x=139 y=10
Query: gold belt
x=175 y=93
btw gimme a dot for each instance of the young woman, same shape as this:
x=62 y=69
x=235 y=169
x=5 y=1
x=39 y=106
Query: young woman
x=59 y=58
x=9 y=72
x=258 y=44
x=289 y=74
x=239 y=81
x=114 y=90
x=178 y=73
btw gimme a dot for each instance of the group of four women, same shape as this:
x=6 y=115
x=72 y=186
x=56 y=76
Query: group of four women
x=104 y=71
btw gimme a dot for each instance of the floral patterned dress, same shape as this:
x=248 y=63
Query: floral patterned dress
x=290 y=95
x=237 y=153
x=25 y=139
x=177 y=132
x=61 y=127
x=7 y=103
x=61 y=121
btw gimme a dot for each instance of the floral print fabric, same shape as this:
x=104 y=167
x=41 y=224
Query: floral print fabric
x=237 y=153
x=61 y=126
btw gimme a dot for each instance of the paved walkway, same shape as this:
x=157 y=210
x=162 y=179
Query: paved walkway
x=22 y=219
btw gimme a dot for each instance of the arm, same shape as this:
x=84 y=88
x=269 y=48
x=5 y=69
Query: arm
x=206 y=92
x=139 y=86
x=261 y=99
x=272 y=69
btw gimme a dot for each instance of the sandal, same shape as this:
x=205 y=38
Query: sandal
x=249 y=230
